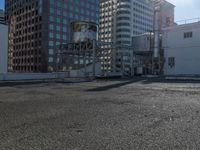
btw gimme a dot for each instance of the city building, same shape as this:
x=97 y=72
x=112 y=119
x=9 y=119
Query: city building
x=81 y=54
x=163 y=17
x=2 y=16
x=3 y=48
x=148 y=52
x=37 y=27
x=120 y=20
x=143 y=53
x=181 y=44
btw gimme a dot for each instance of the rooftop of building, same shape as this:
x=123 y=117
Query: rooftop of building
x=189 y=23
x=163 y=2
x=168 y=3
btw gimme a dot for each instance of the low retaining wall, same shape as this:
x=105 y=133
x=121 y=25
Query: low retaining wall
x=32 y=76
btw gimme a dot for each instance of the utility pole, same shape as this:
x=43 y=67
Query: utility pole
x=94 y=58
x=156 y=31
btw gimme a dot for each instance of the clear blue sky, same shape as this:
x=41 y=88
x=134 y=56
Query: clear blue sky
x=185 y=9
x=2 y=4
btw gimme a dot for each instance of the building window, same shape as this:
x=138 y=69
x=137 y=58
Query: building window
x=188 y=35
x=171 y=62
x=50 y=59
x=168 y=21
x=51 y=43
x=50 y=51
x=50 y=35
x=51 y=27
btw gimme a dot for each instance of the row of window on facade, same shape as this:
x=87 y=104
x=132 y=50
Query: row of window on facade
x=188 y=35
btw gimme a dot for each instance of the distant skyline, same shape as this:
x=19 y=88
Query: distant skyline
x=185 y=9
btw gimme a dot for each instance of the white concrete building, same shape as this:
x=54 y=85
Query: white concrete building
x=3 y=48
x=181 y=45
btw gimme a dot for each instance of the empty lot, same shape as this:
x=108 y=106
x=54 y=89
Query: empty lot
x=139 y=114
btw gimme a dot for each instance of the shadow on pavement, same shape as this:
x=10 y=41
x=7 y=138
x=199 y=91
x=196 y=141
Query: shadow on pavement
x=117 y=85
x=143 y=80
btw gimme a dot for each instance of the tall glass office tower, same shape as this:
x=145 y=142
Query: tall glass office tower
x=36 y=27
x=120 y=20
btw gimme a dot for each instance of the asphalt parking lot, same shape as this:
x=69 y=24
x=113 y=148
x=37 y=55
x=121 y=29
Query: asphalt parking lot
x=139 y=114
